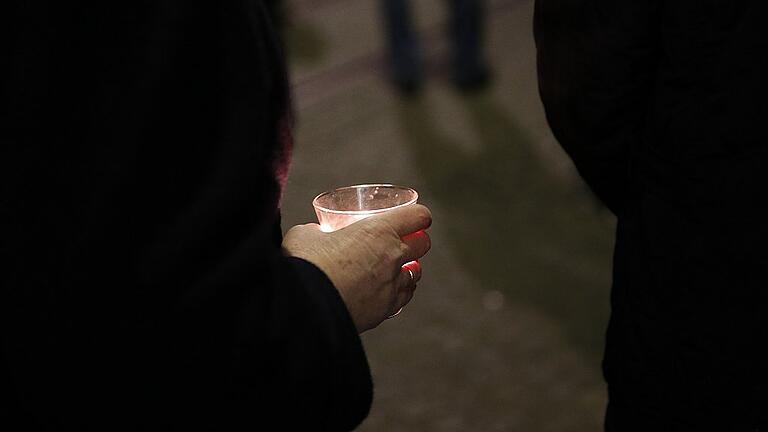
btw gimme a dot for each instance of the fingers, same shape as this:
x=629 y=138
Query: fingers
x=409 y=276
x=408 y=219
x=418 y=244
x=415 y=268
x=403 y=299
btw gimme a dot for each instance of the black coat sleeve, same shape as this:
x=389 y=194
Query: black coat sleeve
x=596 y=62
x=143 y=285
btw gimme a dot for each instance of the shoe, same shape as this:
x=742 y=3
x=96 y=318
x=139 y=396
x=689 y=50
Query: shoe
x=474 y=83
x=407 y=87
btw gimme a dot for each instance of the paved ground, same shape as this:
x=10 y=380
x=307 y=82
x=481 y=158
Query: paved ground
x=505 y=332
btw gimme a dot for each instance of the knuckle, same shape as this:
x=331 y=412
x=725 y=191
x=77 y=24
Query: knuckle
x=395 y=255
x=384 y=254
x=375 y=223
x=402 y=251
x=293 y=230
x=374 y=227
x=425 y=216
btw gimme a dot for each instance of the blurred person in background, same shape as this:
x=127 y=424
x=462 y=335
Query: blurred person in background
x=469 y=70
x=662 y=106
x=144 y=284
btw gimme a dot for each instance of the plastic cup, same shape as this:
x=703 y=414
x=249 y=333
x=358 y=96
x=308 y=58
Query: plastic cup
x=344 y=206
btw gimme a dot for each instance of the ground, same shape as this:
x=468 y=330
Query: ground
x=506 y=330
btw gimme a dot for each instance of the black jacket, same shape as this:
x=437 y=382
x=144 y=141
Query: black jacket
x=662 y=105
x=143 y=284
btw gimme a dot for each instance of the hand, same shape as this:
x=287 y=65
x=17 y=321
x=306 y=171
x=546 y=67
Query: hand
x=365 y=260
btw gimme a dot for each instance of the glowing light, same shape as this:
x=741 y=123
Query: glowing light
x=341 y=207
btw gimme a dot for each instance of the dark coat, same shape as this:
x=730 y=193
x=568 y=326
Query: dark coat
x=143 y=284
x=662 y=105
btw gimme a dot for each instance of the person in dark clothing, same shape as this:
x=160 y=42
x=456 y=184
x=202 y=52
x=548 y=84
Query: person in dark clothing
x=144 y=283
x=661 y=104
x=466 y=31
x=277 y=13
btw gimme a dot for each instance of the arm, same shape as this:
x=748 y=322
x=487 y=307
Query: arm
x=596 y=62
x=144 y=284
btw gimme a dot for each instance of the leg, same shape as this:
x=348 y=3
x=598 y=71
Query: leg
x=403 y=43
x=467 y=19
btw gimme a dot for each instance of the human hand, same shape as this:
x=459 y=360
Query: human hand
x=365 y=260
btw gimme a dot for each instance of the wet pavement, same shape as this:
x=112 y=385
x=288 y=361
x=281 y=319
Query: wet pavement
x=506 y=329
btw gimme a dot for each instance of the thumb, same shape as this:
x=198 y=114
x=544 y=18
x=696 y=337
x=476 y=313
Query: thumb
x=408 y=219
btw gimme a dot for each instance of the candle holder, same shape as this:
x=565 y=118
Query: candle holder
x=344 y=206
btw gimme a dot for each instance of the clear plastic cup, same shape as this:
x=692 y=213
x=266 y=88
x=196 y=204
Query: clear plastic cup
x=344 y=206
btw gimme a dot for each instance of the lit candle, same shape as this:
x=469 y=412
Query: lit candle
x=344 y=206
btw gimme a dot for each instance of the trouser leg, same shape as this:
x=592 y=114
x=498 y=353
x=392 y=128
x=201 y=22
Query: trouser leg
x=402 y=40
x=466 y=32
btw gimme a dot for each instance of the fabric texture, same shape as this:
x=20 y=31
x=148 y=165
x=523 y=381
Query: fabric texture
x=662 y=106
x=143 y=282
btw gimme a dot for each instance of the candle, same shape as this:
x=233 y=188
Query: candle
x=344 y=206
